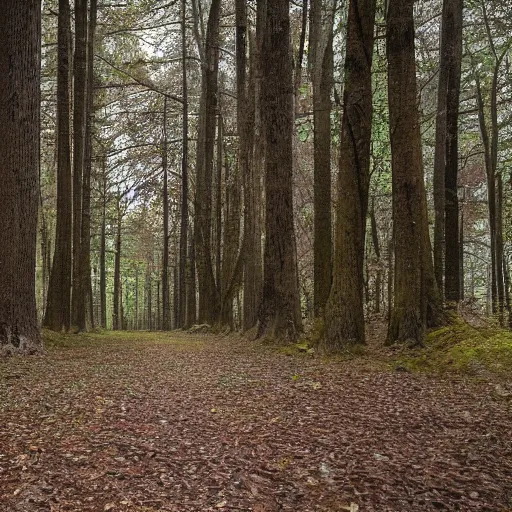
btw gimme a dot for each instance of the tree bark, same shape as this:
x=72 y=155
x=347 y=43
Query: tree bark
x=252 y=148
x=345 y=310
x=79 y=121
x=408 y=316
x=209 y=300
x=376 y=248
x=279 y=308
x=58 y=308
x=116 y=310
x=20 y=58
x=166 y=310
x=103 y=251
x=321 y=70
x=86 y=316
x=231 y=257
x=182 y=289
x=452 y=42
x=191 y=283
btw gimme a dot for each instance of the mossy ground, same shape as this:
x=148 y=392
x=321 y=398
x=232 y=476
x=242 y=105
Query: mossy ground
x=462 y=348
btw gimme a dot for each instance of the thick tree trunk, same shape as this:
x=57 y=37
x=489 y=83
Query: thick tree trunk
x=452 y=32
x=252 y=148
x=58 y=308
x=408 y=316
x=79 y=120
x=209 y=300
x=20 y=41
x=345 y=309
x=279 y=308
x=321 y=70
x=182 y=289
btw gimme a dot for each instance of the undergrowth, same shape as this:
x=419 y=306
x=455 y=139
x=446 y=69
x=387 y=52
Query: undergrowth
x=462 y=348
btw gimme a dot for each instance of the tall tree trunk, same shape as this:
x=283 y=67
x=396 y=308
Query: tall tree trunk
x=500 y=279
x=321 y=70
x=166 y=310
x=79 y=118
x=452 y=45
x=440 y=153
x=279 y=308
x=345 y=309
x=231 y=257
x=218 y=201
x=20 y=58
x=491 y=192
x=85 y=319
x=116 y=313
x=208 y=294
x=408 y=316
x=58 y=308
x=182 y=290
x=103 y=250
x=251 y=150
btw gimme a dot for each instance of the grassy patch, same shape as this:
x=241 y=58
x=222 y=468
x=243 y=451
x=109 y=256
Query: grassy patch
x=55 y=340
x=462 y=348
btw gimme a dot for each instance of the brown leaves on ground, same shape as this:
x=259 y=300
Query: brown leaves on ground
x=178 y=423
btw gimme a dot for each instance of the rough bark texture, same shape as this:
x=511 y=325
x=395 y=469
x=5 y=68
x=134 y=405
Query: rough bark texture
x=440 y=155
x=252 y=148
x=344 y=318
x=85 y=317
x=58 y=308
x=321 y=70
x=182 y=281
x=20 y=41
x=279 y=308
x=231 y=256
x=452 y=45
x=408 y=315
x=209 y=301
x=79 y=118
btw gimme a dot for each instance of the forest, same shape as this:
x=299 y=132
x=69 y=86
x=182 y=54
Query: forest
x=259 y=253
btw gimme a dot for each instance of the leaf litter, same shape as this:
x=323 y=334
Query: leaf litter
x=182 y=423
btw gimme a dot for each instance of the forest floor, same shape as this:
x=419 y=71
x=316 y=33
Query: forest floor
x=177 y=422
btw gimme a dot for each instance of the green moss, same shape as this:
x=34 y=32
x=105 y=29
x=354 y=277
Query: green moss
x=462 y=348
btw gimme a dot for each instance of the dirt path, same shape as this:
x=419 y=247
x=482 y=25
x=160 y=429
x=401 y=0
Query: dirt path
x=144 y=423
